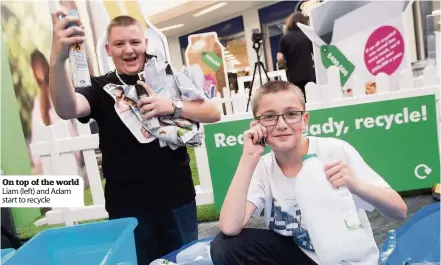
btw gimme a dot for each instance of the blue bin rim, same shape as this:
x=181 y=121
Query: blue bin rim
x=417 y=216
x=6 y=253
x=131 y=225
x=129 y=230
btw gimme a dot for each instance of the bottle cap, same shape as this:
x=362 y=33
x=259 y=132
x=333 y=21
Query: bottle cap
x=73 y=13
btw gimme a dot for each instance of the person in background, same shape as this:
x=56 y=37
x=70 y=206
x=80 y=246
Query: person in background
x=43 y=114
x=151 y=183
x=40 y=68
x=266 y=182
x=295 y=52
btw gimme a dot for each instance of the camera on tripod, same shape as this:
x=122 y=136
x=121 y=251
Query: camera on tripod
x=257 y=36
x=258 y=39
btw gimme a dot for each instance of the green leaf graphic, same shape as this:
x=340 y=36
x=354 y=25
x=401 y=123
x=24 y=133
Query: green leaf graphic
x=211 y=60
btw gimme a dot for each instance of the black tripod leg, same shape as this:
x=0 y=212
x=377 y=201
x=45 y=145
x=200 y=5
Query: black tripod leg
x=260 y=73
x=264 y=70
x=251 y=86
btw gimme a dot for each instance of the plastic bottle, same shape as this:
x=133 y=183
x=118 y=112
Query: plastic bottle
x=391 y=244
x=78 y=59
x=198 y=253
x=342 y=230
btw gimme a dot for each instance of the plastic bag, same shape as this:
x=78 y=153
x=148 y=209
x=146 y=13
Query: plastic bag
x=195 y=262
x=198 y=253
x=162 y=262
x=195 y=254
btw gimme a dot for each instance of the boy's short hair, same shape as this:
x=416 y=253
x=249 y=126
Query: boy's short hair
x=123 y=21
x=274 y=87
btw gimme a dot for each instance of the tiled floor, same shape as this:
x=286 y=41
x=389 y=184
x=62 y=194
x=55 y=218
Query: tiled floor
x=380 y=224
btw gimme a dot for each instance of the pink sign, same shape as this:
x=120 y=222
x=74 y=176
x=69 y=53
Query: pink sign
x=384 y=50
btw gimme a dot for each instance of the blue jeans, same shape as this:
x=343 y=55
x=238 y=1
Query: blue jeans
x=161 y=232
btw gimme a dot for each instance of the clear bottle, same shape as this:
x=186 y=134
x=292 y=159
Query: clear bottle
x=388 y=249
x=342 y=228
x=79 y=66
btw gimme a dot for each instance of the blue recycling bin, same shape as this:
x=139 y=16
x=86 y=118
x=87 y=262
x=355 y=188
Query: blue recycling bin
x=417 y=241
x=6 y=254
x=101 y=243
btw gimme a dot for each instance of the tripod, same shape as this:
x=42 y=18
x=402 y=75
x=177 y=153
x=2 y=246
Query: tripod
x=257 y=65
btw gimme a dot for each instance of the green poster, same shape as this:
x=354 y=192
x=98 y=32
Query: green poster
x=397 y=138
x=14 y=155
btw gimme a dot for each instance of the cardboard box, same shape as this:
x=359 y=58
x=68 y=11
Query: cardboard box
x=206 y=50
x=362 y=38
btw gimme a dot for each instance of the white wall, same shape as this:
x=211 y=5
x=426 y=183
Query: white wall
x=175 y=52
x=410 y=34
x=250 y=22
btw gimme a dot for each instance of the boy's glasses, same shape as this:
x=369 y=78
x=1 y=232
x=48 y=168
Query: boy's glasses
x=289 y=117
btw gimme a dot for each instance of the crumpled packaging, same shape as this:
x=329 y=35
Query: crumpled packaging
x=173 y=132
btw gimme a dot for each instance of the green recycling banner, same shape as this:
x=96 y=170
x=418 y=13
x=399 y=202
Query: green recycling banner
x=398 y=138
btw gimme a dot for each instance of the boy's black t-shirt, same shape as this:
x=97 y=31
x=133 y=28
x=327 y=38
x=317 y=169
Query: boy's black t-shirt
x=139 y=177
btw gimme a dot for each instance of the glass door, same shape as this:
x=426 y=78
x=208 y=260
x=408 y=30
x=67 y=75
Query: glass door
x=273 y=33
x=236 y=58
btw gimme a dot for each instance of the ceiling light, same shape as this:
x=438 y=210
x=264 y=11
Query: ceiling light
x=210 y=9
x=171 y=27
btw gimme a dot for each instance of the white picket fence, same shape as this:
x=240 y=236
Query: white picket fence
x=57 y=150
x=231 y=102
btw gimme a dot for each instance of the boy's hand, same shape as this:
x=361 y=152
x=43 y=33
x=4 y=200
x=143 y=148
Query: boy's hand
x=153 y=104
x=340 y=174
x=64 y=37
x=251 y=138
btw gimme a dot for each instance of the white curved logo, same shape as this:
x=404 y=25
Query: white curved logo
x=427 y=170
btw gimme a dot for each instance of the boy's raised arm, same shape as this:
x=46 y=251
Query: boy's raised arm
x=67 y=103
x=236 y=210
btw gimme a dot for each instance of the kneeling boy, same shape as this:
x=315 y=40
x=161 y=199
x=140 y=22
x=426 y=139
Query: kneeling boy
x=266 y=183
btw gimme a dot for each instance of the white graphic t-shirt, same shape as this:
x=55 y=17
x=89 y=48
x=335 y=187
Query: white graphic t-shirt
x=270 y=190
